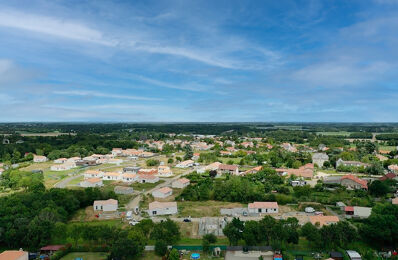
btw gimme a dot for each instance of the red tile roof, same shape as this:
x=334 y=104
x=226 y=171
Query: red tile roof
x=363 y=183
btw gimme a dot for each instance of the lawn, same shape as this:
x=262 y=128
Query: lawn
x=186 y=241
x=339 y=133
x=198 y=209
x=86 y=256
x=226 y=159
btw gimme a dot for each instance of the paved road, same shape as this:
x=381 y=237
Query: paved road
x=64 y=182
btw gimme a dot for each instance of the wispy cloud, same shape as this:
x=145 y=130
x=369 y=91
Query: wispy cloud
x=52 y=26
x=102 y=95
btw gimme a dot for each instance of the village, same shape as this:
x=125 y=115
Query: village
x=150 y=183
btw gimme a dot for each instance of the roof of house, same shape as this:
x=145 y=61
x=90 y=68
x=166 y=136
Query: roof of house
x=165 y=190
x=11 y=254
x=388 y=176
x=93 y=172
x=162 y=205
x=323 y=220
x=105 y=202
x=349 y=208
x=94 y=180
x=263 y=205
x=52 y=247
x=227 y=167
x=363 y=183
x=183 y=180
x=394 y=201
x=129 y=175
x=336 y=254
x=147 y=176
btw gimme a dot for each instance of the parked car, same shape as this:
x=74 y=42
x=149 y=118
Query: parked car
x=188 y=219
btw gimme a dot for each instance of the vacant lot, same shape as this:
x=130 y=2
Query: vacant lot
x=198 y=209
x=86 y=256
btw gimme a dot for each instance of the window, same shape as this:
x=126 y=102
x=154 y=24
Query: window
x=154 y=212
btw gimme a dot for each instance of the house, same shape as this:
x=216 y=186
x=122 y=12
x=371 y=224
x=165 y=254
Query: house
x=305 y=171
x=63 y=167
x=263 y=207
x=14 y=255
x=131 y=169
x=228 y=169
x=151 y=171
x=51 y=249
x=298 y=183
x=352 y=182
x=147 y=178
x=394 y=201
x=73 y=159
x=353 y=255
x=112 y=176
x=92 y=182
x=225 y=153
x=129 y=177
x=357 y=212
x=211 y=167
x=319 y=159
x=123 y=190
x=389 y=176
x=185 y=164
x=393 y=168
x=340 y=162
x=164 y=171
x=60 y=160
x=157 y=208
x=323 y=220
x=105 y=205
x=247 y=144
x=93 y=174
x=39 y=158
x=253 y=170
x=195 y=156
x=288 y=147
x=180 y=183
x=162 y=192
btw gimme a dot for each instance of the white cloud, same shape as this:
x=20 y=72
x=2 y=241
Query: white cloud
x=52 y=26
x=102 y=95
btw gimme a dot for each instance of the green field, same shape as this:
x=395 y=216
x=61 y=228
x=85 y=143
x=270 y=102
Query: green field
x=340 y=133
x=86 y=256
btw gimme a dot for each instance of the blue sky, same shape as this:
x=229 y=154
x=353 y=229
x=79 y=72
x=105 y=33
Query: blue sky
x=206 y=61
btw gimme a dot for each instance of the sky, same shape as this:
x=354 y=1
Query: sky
x=199 y=61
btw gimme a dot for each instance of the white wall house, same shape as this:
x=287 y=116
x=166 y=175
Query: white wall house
x=93 y=174
x=147 y=178
x=112 y=176
x=157 y=208
x=164 y=171
x=105 y=205
x=185 y=164
x=60 y=160
x=263 y=207
x=180 y=183
x=39 y=158
x=129 y=177
x=162 y=192
x=92 y=182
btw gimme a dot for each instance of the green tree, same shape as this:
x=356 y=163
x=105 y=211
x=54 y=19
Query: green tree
x=174 y=254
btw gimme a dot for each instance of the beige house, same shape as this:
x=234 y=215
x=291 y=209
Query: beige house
x=228 y=169
x=185 y=164
x=91 y=182
x=162 y=193
x=164 y=171
x=352 y=182
x=180 y=183
x=157 y=208
x=105 y=205
x=39 y=158
x=263 y=207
